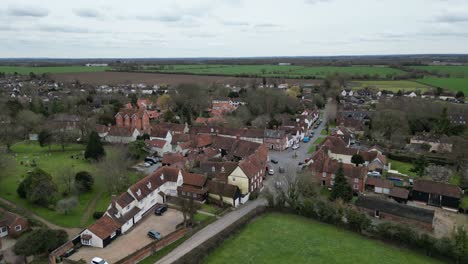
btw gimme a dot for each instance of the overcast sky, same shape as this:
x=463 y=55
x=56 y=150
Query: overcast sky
x=230 y=28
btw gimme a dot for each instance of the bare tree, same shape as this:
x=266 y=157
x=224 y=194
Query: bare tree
x=189 y=208
x=113 y=170
x=64 y=206
x=331 y=109
x=66 y=177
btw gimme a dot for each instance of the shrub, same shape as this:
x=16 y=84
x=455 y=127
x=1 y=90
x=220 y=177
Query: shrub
x=40 y=241
x=84 y=181
x=98 y=214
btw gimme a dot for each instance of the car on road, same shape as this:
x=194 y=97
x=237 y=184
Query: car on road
x=147 y=164
x=274 y=161
x=300 y=163
x=154 y=235
x=312 y=133
x=271 y=172
x=295 y=146
x=160 y=209
x=97 y=260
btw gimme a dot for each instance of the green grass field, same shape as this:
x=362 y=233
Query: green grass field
x=451 y=84
x=402 y=167
x=282 y=238
x=58 y=69
x=53 y=162
x=275 y=70
x=393 y=86
x=453 y=71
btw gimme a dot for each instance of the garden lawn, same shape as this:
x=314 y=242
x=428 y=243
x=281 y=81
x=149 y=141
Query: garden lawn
x=451 y=84
x=393 y=86
x=402 y=167
x=54 y=162
x=283 y=238
x=58 y=69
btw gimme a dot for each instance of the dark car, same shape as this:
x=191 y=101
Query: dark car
x=274 y=161
x=154 y=234
x=301 y=163
x=160 y=209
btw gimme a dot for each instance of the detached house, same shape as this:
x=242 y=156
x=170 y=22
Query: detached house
x=11 y=224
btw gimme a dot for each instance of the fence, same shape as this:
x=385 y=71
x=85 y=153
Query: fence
x=153 y=247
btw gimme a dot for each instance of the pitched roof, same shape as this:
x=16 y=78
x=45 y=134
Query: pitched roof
x=159 y=132
x=270 y=133
x=218 y=169
x=104 y=227
x=397 y=209
x=7 y=218
x=225 y=189
x=437 y=188
x=178 y=138
x=120 y=131
x=155 y=143
x=125 y=199
x=322 y=163
x=148 y=184
x=193 y=179
x=171 y=158
x=373 y=181
x=399 y=193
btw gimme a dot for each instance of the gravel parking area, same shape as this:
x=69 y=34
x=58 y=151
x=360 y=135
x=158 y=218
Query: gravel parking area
x=134 y=239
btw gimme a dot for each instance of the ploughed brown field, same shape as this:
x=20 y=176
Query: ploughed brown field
x=112 y=78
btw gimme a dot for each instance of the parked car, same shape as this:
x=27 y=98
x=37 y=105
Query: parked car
x=306 y=139
x=300 y=163
x=160 y=209
x=374 y=173
x=147 y=164
x=312 y=133
x=97 y=260
x=295 y=147
x=271 y=172
x=154 y=234
x=307 y=160
x=274 y=161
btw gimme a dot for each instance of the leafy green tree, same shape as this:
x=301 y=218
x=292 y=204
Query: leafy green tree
x=136 y=149
x=84 y=181
x=420 y=165
x=460 y=245
x=357 y=221
x=460 y=95
x=133 y=99
x=40 y=241
x=341 y=188
x=94 y=149
x=44 y=138
x=38 y=187
x=443 y=124
x=357 y=159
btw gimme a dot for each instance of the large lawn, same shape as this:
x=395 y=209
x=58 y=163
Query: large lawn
x=54 y=162
x=58 y=69
x=281 y=238
x=451 y=84
x=393 y=86
x=292 y=71
x=453 y=71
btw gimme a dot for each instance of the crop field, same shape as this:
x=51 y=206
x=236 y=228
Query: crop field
x=283 y=238
x=291 y=71
x=55 y=162
x=453 y=71
x=58 y=69
x=451 y=84
x=393 y=86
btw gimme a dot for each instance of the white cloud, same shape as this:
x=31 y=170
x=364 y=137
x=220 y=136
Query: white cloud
x=27 y=11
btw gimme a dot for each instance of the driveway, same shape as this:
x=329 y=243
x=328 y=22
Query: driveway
x=289 y=159
x=134 y=239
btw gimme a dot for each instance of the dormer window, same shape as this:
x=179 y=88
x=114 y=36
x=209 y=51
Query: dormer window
x=138 y=192
x=148 y=185
x=162 y=177
x=222 y=169
x=213 y=169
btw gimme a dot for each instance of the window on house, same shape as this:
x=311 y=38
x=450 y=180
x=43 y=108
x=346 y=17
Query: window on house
x=3 y=229
x=138 y=192
x=355 y=186
x=213 y=169
x=222 y=169
x=324 y=174
x=128 y=207
x=356 y=180
x=86 y=242
x=377 y=213
x=233 y=178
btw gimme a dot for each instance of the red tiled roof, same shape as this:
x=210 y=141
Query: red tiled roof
x=193 y=179
x=171 y=158
x=156 y=143
x=104 y=227
x=125 y=199
x=153 y=181
x=225 y=189
x=399 y=193
x=373 y=181
x=159 y=132
x=120 y=131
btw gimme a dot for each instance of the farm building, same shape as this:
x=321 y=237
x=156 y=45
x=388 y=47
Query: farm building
x=388 y=210
x=437 y=194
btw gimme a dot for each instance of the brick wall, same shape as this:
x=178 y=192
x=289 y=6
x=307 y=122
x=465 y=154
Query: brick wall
x=153 y=247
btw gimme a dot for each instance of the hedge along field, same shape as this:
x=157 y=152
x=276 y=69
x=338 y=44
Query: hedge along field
x=284 y=238
x=453 y=71
x=291 y=71
x=59 y=69
x=451 y=84
x=393 y=86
